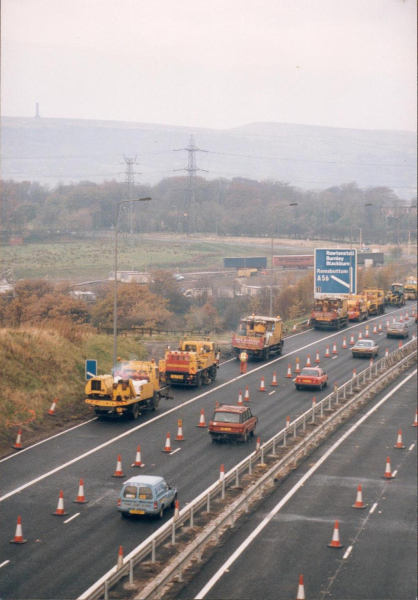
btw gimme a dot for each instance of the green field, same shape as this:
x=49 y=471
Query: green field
x=95 y=258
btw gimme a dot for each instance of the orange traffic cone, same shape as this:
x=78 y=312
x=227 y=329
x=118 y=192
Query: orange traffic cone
x=222 y=473
x=334 y=349
x=216 y=404
x=262 y=387
x=51 y=411
x=289 y=371
x=287 y=422
x=374 y=328
x=367 y=332
x=308 y=361
x=240 y=403
x=118 y=472
x=80 y=497
x=371 y=361
x=18 y=443
x=401 y=319
x=406 y=317
x=317 y=359
x=415 y=423
x=386 y=352
x=335 y=543
x=297 y=368
x=258 y=445
x=388 y=471
x=360 y=335
x=359 y=499
x=167 y=447
x=119 y=564
x=176 y=510
x=247 y=394
x=60 y=508
x=399 y=443
x=352 y=342
x=301 y=589
x=379 y=329
x=274 y=382
x=400 y=344
x=18 y=538
x=354 y=373
x=327 y=354
x=344 y=346
x=387 y=323
x=138 y=462
x=202 y=419
x=179 y=437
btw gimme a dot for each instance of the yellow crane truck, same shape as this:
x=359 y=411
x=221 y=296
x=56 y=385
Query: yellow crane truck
x=411 y=288
x=375 y=300
x=357 y=307
x=135 y=385
x=330 y=312
x=259 y=337
x=194 y=363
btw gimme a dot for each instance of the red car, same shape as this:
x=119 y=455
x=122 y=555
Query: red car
x=311 y=377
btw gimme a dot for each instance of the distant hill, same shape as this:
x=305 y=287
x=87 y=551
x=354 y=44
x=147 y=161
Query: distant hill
x=306 y=156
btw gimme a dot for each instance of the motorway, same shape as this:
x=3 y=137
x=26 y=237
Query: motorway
x=289 y=534
x=65 y=555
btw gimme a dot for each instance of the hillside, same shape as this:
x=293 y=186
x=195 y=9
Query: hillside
x=309 y=157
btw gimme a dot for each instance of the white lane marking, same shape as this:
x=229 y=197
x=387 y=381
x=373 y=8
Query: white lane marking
x=3 y=564
x=347 y=554
x=411 y=446
x=162 y=416
x=99 y=499
x=334 y=357
x=291 y=492
x=71 y=518
x=174 y=451
x=394 y=473
x=47 y=439
x=270 y=393
x=373 y=508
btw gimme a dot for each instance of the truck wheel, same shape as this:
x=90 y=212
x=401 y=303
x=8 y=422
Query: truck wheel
x=134 y=412
x=214 y=372
x=155 y=401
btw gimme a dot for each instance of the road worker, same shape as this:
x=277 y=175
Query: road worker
x=243 y=359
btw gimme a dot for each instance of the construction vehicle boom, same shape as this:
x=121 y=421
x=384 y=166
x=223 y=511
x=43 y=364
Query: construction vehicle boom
x=259 y=336
x=194 y=363
x=134 y=386
x=329 y=313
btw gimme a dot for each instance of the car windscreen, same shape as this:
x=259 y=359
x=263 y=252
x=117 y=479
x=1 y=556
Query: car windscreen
x=130 y=491
x=310 y=372
x=364 y=344
x=396 y=326
x=224 y=417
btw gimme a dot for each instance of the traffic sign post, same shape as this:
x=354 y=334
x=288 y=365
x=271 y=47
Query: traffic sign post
x=91 y=369
x=335 y=272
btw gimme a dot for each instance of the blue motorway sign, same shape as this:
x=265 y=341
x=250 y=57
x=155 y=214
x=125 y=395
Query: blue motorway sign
x=335 y=272
x=91 y=368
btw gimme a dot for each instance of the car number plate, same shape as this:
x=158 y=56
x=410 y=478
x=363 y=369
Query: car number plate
x=176 y=376
x=137 y=512
x=226 y=429
x=306 y=381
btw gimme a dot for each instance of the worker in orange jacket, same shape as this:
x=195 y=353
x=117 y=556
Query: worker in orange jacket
x=243 y=359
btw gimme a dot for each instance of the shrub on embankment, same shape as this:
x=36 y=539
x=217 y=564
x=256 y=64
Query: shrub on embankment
x=38 y=365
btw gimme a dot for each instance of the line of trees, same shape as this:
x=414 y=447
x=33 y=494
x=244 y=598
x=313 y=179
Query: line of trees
x=237 y=207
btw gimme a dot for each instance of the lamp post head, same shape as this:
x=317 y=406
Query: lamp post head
x=144 y=199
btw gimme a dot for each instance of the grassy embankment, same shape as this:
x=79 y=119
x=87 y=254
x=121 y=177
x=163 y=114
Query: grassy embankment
x=40 y=365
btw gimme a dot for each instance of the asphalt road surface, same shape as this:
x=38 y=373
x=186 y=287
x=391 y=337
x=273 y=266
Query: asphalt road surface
x=289 y=534
x=65 y=555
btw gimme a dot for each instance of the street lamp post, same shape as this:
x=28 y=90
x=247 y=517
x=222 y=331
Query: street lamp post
x=351 y=224
x=115 y=296
x=271 y=258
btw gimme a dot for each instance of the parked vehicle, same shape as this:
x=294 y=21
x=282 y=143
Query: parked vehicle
x=397 y=330
x=329 y=313
x=259 y=337
x=396 y=296
x=357 y=307
x=231 y=421
x=365 y=348
x=311 y=377
x=375 y=300
x=194 y=363
x=294 y=261
x=411 y=288
x=146 y=495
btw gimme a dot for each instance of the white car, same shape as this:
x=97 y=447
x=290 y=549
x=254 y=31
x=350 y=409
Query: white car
x=178 y=277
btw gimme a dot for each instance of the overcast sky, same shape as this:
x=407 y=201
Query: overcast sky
x=212 y=63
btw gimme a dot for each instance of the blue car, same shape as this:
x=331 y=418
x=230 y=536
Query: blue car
x=146 y=495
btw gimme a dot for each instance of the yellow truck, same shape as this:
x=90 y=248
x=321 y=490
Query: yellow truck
x=357 y=307
x=194 y=363
x=259 y=336
x=411 y=288
x=375 y=300
x=135 y=385
x=330 y=312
